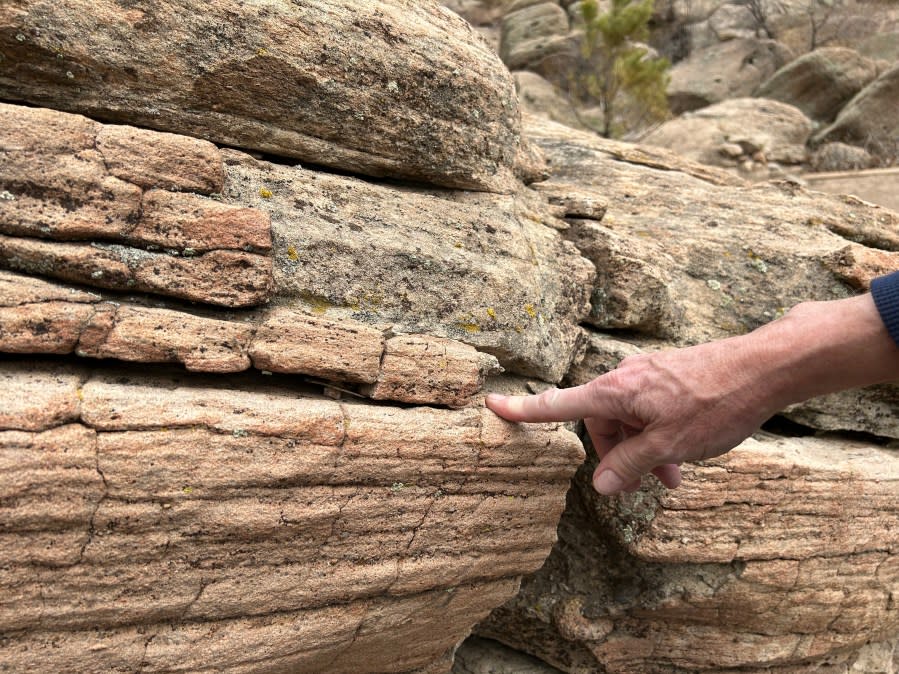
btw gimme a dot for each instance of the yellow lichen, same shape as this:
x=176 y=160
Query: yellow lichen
x=470 y=328
x=292 y=253
x=80 y=393
x=530 y=310
x=491 y=313
x=265 y=193
x=262 y=51
x=187 y=490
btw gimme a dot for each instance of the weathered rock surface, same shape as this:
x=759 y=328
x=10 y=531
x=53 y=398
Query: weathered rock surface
x=734 y=571
x=741 y=128
x=479 y=268
x=538 y=96
x=840 y=157
x=385 y=88
x=682 y=258
x=871 y=118
x=92 y=204
x=821 y=82
x=257 y=527
x=739 y=67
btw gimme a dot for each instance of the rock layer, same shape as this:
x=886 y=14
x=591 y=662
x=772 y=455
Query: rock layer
x=146 y=506
x=386 y=88
x=732 y=572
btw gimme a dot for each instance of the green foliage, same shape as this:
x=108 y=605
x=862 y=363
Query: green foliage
x=613 y=67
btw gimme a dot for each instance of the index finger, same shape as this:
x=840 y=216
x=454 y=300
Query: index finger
x=567 y=404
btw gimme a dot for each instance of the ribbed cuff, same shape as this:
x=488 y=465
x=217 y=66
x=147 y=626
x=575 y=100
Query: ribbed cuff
x=885 y=291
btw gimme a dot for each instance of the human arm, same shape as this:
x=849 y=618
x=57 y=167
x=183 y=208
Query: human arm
x=658 y=410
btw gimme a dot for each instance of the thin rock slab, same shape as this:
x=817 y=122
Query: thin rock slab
x=187 y=518
x=385 y=87
x=40 y=317
x=777 y=555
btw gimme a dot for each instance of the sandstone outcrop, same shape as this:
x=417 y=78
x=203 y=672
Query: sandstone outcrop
x=256 y=525
x=682 y=260
x=821 y=82
x=256 y=510
x=385 y=88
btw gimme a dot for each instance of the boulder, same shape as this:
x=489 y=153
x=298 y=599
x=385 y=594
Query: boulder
x=536 y=37
x=169 y=521
x=732 y=22
x=684 y=260
x=774 y=558
x=739 y=66
x=840 y=157
x=726 y=133
x=821 y=82
x=384 y=88
x=870 y=119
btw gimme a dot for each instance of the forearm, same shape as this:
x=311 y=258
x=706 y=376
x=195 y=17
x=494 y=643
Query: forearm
x=822 y=347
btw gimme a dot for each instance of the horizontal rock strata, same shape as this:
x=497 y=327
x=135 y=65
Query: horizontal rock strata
x=385 y=88
x=39 y=317
x=257 y=526
x=779 y=554
x=93 y=204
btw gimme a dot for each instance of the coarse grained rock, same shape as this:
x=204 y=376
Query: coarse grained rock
x=739 y=67
x=538 y=96
x=396 y=88
x=681 y=258
x=774 y=129
x=821 y=82
x=777 y=557
x=870 y=119
x=169 y=521
x=840 y=157
x=479 y=268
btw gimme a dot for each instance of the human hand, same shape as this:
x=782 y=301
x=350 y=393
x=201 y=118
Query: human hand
x=657 y=410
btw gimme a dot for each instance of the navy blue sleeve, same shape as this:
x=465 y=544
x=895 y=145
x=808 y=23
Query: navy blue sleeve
x=885 y=291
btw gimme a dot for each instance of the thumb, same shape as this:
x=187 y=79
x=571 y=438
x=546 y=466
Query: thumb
x=629 y=461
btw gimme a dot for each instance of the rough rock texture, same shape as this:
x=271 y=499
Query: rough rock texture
x=739 y=67
x=386 y=87
x=821 y=82
x=479 y=268
x=682 y=258
x=740 y=128
x=871 y=118
x=173 y=522
x=732 y=572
